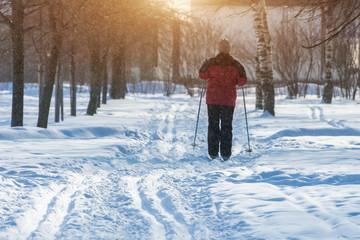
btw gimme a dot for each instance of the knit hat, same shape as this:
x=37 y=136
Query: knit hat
x=224 y=46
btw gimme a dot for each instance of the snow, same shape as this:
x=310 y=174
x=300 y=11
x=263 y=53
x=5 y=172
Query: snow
x=130 y=172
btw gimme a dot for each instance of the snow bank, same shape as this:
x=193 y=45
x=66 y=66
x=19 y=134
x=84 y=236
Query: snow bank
x=130 y=172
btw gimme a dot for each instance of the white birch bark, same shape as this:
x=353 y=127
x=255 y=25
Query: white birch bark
x=264 y=52
x=260 y=45
x=329 y=86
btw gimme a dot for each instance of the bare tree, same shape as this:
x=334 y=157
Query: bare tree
x=346 y=63
x=292 y=62
x=244 y=50
x=264 y=53
x=200 y=40
x=61 y=15
x=329 y=85
x=5 y=54
x=12 y=13
x=176 y=36
x=145 y=26
x=118 y=84
x=339 y=15
x=344 y=13
x=56 y=26
x=73 y=87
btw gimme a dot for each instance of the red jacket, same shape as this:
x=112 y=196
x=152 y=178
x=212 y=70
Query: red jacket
x=223 y=73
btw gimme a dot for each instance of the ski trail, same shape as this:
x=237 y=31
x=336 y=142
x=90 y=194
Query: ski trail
x=158 y=205
x=167 y=142
x=45 y=204
x=35 y=208
x=308 y=204
x=158 y=229
x=166 y=126
x=57 y=209
x=314 y=113
x=317 y=114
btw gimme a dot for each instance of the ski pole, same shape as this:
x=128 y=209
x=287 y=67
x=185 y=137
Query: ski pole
x=197 y=121
x=247 y=127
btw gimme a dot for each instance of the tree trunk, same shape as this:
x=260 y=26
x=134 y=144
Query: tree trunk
x=95 y=75
x=72 y=82
x=148 y=53
x=62 y=99
x=155 y=48
x=56 y=42
x=357 y=84
x=259 y=35
x=329 y=87
x=17 y=34
x=264 y=52
x=322 y=48
x=259 y=92
x=268 y=84
x=103 y=79
x=104 y=82
x=59 y=96
x=41 y=63
x=40 y=77
x=176 y=52
x=118 y=83
x=98 y=94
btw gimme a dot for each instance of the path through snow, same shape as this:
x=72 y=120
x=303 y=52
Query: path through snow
x=130 y=173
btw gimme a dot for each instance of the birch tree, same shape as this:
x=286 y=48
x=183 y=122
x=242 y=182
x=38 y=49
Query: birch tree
x=259 y=102
x=264 y=53
x=338 y=16
x=329 y=85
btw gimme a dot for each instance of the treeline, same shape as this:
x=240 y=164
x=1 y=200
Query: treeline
x=318 y=40
x=99 y=42
x=109 y=43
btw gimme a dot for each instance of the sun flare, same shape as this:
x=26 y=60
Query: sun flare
x=181 y=4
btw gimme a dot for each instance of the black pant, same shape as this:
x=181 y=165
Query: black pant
x=220 y=129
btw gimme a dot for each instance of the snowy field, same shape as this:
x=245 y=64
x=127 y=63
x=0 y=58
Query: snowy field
x=130 y=172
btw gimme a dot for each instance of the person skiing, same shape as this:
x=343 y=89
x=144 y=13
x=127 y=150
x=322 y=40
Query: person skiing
x=223 y=73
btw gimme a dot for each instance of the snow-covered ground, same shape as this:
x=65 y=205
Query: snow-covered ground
x=130 y=172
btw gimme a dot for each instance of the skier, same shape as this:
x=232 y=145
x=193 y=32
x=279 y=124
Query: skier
x=223 y=73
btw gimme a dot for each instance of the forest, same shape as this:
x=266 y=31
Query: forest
x=104 y=134
x=109 y=45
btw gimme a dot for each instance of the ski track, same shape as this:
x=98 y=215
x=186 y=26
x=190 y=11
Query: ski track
x=155 y=186
x=317 y=114
x=159 y=204
x=56 y=211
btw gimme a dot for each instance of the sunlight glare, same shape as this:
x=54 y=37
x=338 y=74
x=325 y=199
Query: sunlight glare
x=181 y=4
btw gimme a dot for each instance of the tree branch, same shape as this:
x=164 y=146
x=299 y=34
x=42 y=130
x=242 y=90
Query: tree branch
x=5 y=20
x=335 y=34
